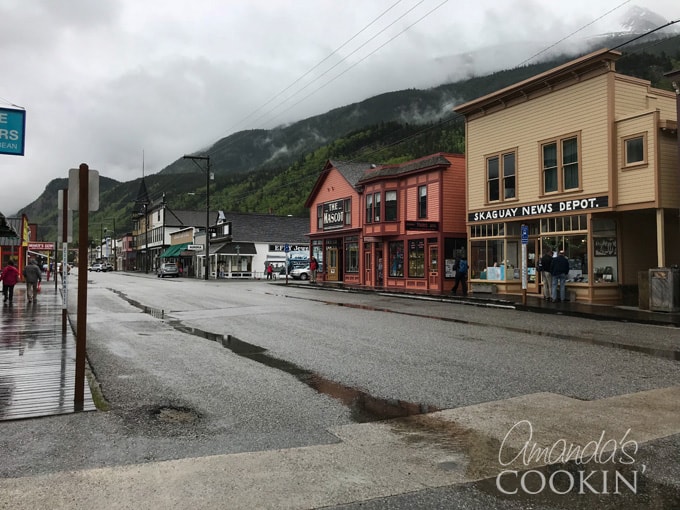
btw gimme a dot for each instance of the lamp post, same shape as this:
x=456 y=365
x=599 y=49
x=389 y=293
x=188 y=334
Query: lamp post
x=207 y=209
x=115 y=259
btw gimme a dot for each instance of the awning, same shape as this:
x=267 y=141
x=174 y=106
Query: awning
x=174 y=250
x=237 y=249
x=214 y=248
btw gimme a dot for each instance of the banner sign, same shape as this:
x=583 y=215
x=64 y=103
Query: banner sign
x=41 y=246
x=12 y=129
x=575 y=205
x=333 y=215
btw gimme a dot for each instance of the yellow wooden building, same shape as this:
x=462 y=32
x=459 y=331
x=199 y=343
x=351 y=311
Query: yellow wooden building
x=587 y=159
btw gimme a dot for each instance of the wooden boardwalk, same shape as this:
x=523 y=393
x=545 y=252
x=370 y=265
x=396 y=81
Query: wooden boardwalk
x=37 y=362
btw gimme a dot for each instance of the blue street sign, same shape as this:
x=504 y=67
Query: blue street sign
x=525 y=234
x=286 y=248
x=12 y=127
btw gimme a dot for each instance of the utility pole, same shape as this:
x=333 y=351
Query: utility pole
x=207 y=209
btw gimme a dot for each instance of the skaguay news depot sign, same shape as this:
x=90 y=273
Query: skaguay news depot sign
x=12 y=127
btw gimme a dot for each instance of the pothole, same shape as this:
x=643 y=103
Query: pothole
x=176 y=415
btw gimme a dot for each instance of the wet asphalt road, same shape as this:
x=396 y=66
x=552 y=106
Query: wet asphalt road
x=174 y=393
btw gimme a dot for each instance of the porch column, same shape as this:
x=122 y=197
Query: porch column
x=660 y=240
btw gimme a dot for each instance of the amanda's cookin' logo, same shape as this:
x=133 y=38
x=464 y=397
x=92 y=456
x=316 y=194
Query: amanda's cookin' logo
x=602 y=466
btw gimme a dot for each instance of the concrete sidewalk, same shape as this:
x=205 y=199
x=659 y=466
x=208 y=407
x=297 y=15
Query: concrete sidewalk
x=381 y=459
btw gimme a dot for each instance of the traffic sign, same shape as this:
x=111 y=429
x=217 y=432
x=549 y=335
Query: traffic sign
x=525 y=234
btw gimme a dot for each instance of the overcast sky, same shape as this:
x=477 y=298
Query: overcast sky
x=105 y=81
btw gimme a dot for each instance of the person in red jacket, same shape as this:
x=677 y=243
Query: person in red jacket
x=10 y=277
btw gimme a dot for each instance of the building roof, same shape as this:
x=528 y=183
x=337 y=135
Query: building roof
x=417 y=165
x=10 y=236
x=6 y=229
x=267 y=228
x=601 y=59
x=351 y=172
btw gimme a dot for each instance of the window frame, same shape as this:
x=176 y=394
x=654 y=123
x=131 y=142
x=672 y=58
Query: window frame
x=376 y=207
x=389 y=208
x=369 y=208
x=560 y=164
x=422 y=202
x=624 y=141
x=501 y=180
x=347 y=205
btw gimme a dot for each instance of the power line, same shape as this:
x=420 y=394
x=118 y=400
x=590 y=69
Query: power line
x=361 y=60
x=646 y=34
x=318 y=64
x=573 y=33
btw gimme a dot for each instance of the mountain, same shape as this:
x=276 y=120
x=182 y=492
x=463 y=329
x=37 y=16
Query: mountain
x=273 y=170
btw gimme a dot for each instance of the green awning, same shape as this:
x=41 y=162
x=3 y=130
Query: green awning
x=174 y=250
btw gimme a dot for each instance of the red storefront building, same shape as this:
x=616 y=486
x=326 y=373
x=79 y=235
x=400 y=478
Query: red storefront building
x=397 y=227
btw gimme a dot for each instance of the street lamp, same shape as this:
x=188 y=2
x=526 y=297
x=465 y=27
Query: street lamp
x=207 y=209
x=115 y=259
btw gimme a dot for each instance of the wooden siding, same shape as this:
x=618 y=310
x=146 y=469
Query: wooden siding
x=581 y=108
x=636 y=183
x=335 y=187
x=638 y=230
x=453 y=197
x=669 y=171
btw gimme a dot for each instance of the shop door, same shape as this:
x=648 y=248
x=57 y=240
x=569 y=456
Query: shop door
x=332 y=264
x=434 y=267
x=379 y=267
x=368 y=273
x=533 y=278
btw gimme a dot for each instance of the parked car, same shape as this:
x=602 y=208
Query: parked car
x=106 y=266
x=300 y=273
x=96 y=267
x=168 y=269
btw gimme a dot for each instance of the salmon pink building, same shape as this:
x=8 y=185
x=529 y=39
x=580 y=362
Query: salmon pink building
x=397 y=227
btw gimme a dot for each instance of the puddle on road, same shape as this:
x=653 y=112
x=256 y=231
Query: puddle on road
x=364 y=407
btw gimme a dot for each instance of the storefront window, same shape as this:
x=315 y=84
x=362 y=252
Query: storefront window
x=486 y=258
x=376 y=210
x=396 y=267
x=605 y=252
x=575 y=249
x=453 y=247
x=351 y=255
x=317 y=251
x=416 y=258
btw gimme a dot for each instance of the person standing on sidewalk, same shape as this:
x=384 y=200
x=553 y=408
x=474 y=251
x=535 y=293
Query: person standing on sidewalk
x=313 y=268
x=9 y=276
x=559 y=270
x=32 y=275
x=546 y=264
x=461 y=267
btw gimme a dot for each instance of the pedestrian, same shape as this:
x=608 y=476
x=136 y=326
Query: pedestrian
x=9 y=276
x=313 y=268
x=559 y=270
x=33 y=277
x=461 y=267
x=545 y=264
x=270 y=272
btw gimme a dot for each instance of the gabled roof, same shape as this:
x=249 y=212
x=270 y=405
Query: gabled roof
x=142 y=198
x=6 y=230
x=417 y=165
x=14 y=225
x=267 y=228
x=601 y=59
x=352 y=173
x=175 y=218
